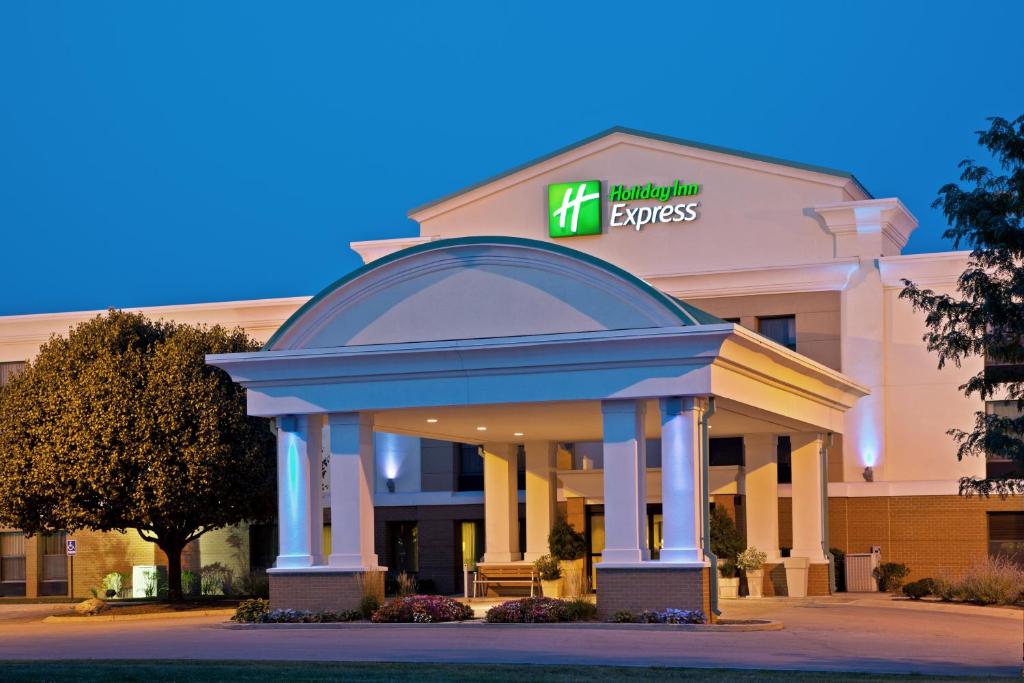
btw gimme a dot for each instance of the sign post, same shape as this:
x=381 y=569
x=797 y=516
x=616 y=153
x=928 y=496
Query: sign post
x=71 y=549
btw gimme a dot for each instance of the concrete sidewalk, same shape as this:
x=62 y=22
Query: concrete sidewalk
x=821 y=635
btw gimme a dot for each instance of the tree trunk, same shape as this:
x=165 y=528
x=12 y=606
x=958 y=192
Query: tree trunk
x=173 y=552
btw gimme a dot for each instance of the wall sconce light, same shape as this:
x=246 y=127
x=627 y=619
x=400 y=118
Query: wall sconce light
x=391 y=485
x=868 y=473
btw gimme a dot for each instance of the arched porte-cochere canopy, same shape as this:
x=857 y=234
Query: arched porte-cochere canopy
x=504 y=341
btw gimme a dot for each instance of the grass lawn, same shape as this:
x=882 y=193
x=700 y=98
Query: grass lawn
x=150 y=671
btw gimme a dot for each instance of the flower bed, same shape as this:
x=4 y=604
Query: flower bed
x=258 y=612
x=665 y=616
x=540 y=611
x=422 y=609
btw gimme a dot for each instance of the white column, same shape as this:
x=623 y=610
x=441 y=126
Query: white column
x=315 y=453
x=761 y=492
x=293 y=488
x=807 y=521
x=501 y=503
x=680 y=445
x=540 y=496
x=351 y=471
x=625 y=484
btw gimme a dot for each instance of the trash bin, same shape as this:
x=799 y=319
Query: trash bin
x=796 y=576
x=860 y=577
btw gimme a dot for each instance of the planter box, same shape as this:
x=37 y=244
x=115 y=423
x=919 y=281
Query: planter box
x=729 y=588
x=797 y=569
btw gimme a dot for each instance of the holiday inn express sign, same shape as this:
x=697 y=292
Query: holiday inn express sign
x=575 y=208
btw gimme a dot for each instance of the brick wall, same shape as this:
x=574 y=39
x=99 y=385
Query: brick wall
x=933 y=535
x=637 y=590
x=320 y=591
x=100 y=553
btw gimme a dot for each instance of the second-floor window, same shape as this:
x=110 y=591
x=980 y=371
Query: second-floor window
x=779 y=328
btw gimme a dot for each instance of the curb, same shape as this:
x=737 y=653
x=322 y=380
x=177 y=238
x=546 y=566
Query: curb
x=54 y=619
x=949 y=608
x=752 y=625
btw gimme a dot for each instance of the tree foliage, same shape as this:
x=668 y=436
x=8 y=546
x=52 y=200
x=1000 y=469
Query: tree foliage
x=986 y=315
x=121 y=425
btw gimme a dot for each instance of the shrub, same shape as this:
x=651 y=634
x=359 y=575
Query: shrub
x=422 y=609
x=624 y=616
x=751 y=559
x=946 y=590
x=997 y=581
x=405 y=584
x=251 y=611
x=915 y=590
x=890 y=576
x=293 y=616
x=368 y=604
x=840 y=568
x=565 y=543
x=189 y=583
x=579 y=609
x=726 y=540
x=215 y=579
x=541 y=610
x=548 y=568
x=114 y=581
x=727 y=569
x=673 y=616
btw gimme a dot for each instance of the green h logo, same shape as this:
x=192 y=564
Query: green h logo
x=574 y=208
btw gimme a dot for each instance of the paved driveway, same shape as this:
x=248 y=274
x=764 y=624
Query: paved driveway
x=827 y=635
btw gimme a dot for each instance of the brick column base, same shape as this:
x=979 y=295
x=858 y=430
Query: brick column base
x=817 y=579
x=775 y=580
x=321 y=591
x=651 y=588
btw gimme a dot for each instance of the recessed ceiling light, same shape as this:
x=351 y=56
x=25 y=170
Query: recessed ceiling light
x=431 y=420
x=481 y=429
x=518 y=434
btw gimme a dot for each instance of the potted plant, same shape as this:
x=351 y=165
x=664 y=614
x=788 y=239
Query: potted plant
x=751 y=561
x=728 y=580
x=726 y=544
x=550 y=574
x=569 y=547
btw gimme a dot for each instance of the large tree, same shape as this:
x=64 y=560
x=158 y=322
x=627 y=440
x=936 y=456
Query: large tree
x=985 y=317
x=122 y=425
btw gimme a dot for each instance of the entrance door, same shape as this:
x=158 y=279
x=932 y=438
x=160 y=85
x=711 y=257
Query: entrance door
x=595 y=536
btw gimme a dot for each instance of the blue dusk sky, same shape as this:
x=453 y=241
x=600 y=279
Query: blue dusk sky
x=162 y=152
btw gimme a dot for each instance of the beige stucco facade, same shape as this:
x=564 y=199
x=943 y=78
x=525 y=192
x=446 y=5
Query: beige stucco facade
x=771 y=239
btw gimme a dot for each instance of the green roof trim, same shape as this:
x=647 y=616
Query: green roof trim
x=687 y=314
x=650 y=136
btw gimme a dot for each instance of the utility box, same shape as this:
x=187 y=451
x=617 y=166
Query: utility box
x=147 y=579
x=860 y=572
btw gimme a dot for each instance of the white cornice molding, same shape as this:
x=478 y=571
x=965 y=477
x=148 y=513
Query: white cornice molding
x=848 y=185
x=888 y=216
x=926 y=270
x=787 y=279
x=371 y=250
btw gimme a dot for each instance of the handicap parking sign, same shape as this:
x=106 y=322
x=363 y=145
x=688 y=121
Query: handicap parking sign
x=71 y=546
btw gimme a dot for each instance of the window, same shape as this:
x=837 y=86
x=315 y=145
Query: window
x=997 y=465
x=403 y=547
x=784 y=456
x=472 y=534
x=781 y=329
x=12 y=562
x=726 y=451
x=470 y=467
x=53 y=577
x=9 y=369
x=1006 y=536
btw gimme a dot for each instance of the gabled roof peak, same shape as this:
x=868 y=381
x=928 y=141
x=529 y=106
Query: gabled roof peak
x=623 y=130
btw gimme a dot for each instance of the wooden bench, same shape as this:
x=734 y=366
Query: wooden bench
x=505 y=575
